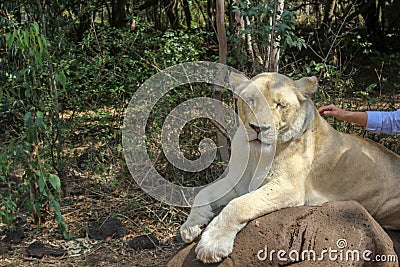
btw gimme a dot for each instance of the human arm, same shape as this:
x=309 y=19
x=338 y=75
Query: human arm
x=384 y=122
x=375 y=121
x=360 y=118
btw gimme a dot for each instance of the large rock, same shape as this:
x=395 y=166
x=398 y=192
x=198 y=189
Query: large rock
x=395 y=236
x=336 y=234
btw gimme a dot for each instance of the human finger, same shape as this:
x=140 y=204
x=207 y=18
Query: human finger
x=325 y=110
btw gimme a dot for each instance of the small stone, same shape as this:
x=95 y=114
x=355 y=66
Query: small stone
x=4 y=249
x=110 y=227
x=38 y=250
x=144 y=242
x=15 y=236
x=178 y=239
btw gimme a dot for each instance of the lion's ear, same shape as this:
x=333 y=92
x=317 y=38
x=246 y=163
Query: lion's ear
x=307 y=85
x=236 y=79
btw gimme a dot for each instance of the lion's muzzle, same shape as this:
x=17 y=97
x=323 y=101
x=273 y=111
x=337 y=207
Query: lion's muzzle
x=261 y=133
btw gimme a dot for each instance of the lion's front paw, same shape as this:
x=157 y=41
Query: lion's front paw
x=214 y=246
x=190 y=232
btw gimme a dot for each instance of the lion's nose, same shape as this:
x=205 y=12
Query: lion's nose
x=259 y=129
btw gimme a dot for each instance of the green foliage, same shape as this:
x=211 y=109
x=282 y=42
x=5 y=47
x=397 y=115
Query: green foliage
x=177 y=46
x=365 y=45
x=102 y=70
x=267 y=27
x=28 y=77
x=110 y=63
x=8 y=202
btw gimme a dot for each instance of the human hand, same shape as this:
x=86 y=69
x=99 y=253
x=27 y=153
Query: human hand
x=332 y=110
x=360 y=118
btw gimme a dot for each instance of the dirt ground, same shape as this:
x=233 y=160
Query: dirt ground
x=90 y=204
x=104 y=253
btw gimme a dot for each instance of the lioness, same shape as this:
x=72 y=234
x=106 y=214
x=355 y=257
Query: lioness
x=313 y=164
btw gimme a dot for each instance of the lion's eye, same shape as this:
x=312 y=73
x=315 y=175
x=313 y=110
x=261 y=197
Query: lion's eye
x=280 y=105
x=250 y=102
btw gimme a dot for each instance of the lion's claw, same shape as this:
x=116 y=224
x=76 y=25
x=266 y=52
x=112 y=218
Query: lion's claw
x=214 y=248
x=189 y=233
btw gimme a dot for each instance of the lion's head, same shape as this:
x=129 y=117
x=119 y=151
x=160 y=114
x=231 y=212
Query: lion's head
x=272 y=101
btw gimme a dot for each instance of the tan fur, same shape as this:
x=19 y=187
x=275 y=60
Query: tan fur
x=313 y=164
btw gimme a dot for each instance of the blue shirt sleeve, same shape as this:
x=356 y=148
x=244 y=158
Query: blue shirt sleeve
x=383 y=122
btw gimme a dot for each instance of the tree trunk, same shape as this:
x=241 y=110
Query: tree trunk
x=118 y=16
x=171 y=9
x=252 y=49
x=391 y=19
x=223 y=52
x=85 y=18
x=188 y=15
x=248 y=39
x=319 y=9
x=372 y=21
x=239 y=27
x=222 y=40
x=231 y=17
x=211 y=16
x=308 y=10
x=273 y=50
x=329 y=12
